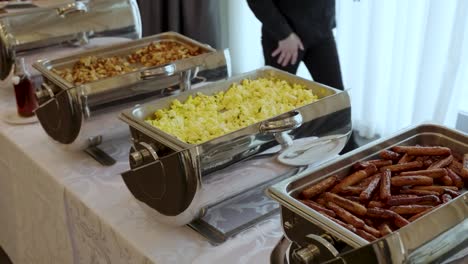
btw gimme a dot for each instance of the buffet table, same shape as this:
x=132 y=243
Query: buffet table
x=61 y=206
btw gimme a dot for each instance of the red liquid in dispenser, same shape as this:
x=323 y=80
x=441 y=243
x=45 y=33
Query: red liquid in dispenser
x=25 y=92
x=25 y=97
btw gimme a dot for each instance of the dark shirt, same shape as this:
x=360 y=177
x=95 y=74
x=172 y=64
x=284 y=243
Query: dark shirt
x=311 y=20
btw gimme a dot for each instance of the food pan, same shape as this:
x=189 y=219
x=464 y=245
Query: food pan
x=191 y=166
x=64 y=106
x=416 y=240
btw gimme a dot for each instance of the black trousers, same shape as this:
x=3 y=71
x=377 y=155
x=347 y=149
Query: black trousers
x=322 y=61
x=320 y=58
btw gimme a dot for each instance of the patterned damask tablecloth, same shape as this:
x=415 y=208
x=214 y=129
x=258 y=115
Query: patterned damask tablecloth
x=61 y=206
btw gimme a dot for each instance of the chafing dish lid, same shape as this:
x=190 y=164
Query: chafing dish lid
x=65 y=23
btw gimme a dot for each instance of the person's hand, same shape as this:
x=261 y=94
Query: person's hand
x=288 y=50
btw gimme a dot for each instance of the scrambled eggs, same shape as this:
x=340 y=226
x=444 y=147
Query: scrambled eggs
x=204 y=117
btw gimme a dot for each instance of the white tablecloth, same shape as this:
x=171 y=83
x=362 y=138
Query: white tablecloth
x=59 y=206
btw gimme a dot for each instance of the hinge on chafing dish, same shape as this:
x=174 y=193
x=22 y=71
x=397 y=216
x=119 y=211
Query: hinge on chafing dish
x=318 y=251
x=145 y=153
x=45 y=93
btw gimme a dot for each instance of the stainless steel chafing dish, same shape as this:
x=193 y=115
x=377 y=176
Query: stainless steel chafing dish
x=64 y=108
x=27 y=31
x=179 y=180
x=313 y=238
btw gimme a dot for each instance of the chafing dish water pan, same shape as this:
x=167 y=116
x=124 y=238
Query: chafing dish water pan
x=175 y=178
x=425 y=240
x=64 y=107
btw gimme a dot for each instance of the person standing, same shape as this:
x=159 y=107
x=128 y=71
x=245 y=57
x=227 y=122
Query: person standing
x=301 y=30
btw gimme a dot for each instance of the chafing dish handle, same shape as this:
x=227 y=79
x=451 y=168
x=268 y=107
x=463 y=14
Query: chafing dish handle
x=72 y=8
x=167 y=70
x=281 y=125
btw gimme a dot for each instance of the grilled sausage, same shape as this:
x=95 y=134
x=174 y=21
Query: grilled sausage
x=405 y=159
x=434 y=173
x=319 y=188
x=422 y=151
x=317 y=207
x=403 y=166
x=367 y=193
x=457 y=180
x=351 y=206
x=346 y=216
x=427 y=199
x=409 y=209
x=365 y=235
x=389 y=155
x=442 y=163
x=355 y=178
x=411 y=180
x=385 y=229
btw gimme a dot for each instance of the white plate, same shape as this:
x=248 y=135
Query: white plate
x=307 y=151
x=11 y=117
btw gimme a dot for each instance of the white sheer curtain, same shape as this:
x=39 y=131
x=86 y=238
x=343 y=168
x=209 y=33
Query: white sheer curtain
x=404 y=62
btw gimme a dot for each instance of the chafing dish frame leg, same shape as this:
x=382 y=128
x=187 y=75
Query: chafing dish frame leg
x=97 y=153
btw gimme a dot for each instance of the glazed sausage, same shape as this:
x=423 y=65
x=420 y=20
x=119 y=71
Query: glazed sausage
x=378 y=204
x=352 y=190
x=365 y=235
x=400 y=221
x=385 y=229
x=351 y=206
x=369 y=222
x=389 y=155
x=409 y=209
x=385 y=182
x=418 y=192
x=436 y=188
x=464 y=174
x=380 y=213
x=446 y=198
x=427 y=199
x=405 y=159
x=422 y=151
x=353 y=198
x=321 y=201
x=378 y=163
x=317 y=207
x=403 y=166
x=456 y=166
x=319 y=188
x=367 y=193
x=411 y=180
x=442 y=163
x=434 y=173
x=372 y=231
x=355 y=178
x=341 y=223
x=346 y=216
x=398 y=196
x=364 y=183
x=452 y=193
x=446 y=180
x=457 y=180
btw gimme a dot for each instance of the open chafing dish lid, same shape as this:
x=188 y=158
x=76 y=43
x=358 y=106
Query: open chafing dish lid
x=65 y=23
